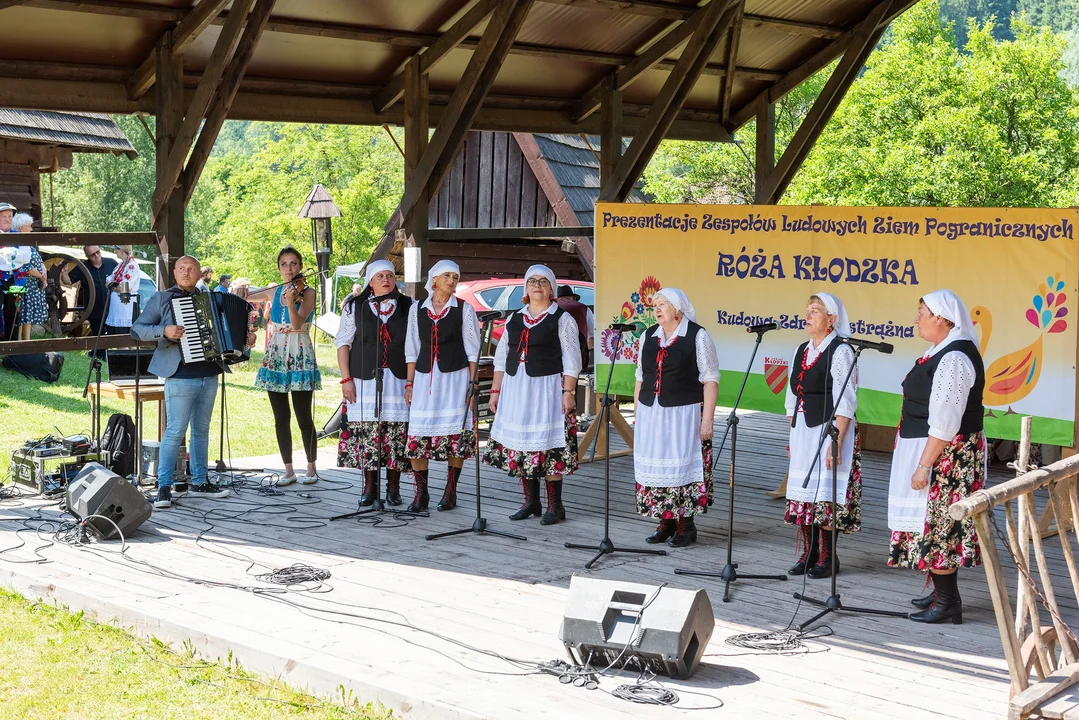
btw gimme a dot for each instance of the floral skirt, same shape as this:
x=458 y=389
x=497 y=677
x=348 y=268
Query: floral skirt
x=358 y=446
x=946 y=544
x=672 y=503
x=536 y=465
x=289 y=363
x=849 y=514
x=441 y=447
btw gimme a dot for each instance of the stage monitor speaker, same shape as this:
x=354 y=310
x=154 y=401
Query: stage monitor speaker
x=637 y=626
x=96 y=490
x=40 y=366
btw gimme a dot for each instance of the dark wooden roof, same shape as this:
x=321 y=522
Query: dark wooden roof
x=333 y=60
x=81 y=132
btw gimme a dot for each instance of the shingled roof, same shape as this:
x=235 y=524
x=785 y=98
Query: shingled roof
x=574 y=162
x=82 y=132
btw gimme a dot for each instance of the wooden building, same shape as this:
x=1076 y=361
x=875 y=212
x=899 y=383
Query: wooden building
x=502 y=182
x=33 y=142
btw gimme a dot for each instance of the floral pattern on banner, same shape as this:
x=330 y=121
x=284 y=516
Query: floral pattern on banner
x=538 y=464
x=441 y=447
x=637 y=311
x=946 y=544
x=358 y=449
x=672 y=503
x=820 y=513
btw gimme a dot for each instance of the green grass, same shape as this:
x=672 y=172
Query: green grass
x=30 y=409
x=57 y=664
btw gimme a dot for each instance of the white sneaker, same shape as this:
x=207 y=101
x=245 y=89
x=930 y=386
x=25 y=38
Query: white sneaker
x=309 y=479
x=286 y=480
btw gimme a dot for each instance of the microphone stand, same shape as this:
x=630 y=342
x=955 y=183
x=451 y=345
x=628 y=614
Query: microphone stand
x=831 y=432
x=606 y=546
x=729 y=573
x=479 y=525
x=95 y=370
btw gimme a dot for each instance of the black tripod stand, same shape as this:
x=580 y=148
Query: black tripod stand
x=729 y=573
x=479 y=525
x=95 y=371
x=606 y=546
x=831 y=433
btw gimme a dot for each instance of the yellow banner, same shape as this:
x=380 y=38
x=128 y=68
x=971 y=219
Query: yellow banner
x=740 y=265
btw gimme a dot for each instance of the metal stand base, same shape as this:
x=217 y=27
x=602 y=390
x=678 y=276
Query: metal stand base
x=606 y=547
x=479 y=526
x=833 y=604
x=729 y=574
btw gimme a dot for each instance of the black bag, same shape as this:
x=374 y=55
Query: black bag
x=40 y=366
x=119 y=441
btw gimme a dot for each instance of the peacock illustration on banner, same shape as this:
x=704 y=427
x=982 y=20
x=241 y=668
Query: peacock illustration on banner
x=637 y=311
x=1011 y=377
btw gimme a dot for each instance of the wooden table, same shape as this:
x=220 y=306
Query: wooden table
x=147 y=393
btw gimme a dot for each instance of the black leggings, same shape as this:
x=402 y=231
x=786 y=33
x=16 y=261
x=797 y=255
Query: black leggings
x=302 y=401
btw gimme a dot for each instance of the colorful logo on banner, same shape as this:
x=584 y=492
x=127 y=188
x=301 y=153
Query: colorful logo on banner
x=1016 y=270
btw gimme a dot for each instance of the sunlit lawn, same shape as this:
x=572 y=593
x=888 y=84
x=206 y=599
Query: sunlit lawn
x=56 y=664
x=30 y=409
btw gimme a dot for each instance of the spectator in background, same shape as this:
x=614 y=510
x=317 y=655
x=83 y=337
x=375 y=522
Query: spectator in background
x=207 y=277
x=356 y=290
x=124 y=279
x=570 y=302
x=100 y=269
x=223 y=284
x=32 y=310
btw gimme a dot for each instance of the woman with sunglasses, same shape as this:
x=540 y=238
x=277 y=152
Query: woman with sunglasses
x=534 y=434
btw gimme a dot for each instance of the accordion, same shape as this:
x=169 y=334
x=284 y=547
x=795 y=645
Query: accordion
x=215 y=327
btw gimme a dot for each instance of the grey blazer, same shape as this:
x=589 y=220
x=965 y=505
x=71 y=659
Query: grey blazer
x=150 y=326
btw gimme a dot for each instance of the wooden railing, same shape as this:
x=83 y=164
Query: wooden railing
x=1043 y=660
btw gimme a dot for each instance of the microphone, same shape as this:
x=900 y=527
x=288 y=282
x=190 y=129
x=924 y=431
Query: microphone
x=762 y=328
x=623 y=327
x=881 y=347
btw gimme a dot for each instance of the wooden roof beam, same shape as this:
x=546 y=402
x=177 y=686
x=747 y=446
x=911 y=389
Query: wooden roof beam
x=450 y=39
x=5 y=4
x=717 y=17
x=821 y=59
x=225 y=95
x=197 y=19
x=865 y=36
x=733 y=37
x=223 y=50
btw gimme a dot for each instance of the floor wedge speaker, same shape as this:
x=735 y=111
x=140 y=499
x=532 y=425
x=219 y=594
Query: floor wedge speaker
x=638 y=626
x=97 y=493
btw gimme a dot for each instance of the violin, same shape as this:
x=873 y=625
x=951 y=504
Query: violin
x=299 y=284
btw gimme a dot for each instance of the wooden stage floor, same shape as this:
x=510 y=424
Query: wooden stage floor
x=400 y=611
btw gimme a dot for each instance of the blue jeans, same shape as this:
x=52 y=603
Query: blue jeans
x=188 y=402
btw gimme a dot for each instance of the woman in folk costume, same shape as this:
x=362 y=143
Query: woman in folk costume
x=818 y=370
x=534 y=434
x=677 y=386
x=939 y=456
x=371 y=338
x=441 y=349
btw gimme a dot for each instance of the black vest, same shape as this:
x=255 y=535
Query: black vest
x=544 y=347
x=816 y=396
x=918 y=386
x=362 y=360
x=451 y=344
x=681 y=383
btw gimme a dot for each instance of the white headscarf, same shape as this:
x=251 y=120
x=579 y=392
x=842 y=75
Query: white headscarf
x=375 y=268
x=440 y=267
x=835 y=306
x=948 y=305
x=544 y=272
x=12 y=258
x=681 y=303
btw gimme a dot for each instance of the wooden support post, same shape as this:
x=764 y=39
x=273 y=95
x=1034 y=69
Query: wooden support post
x=610 y=140
x=727 y=87
x=416 y=91
x=169 y=224
x=185 y=33
x=717 y=16
x=766 y=149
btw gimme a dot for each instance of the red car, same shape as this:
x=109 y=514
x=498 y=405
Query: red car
x=508 y=294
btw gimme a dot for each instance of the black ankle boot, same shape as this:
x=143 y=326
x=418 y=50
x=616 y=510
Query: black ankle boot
x=421 y=498
x=370 y=487
x=532 y=505
x=663 y=533
x=449 y=495
x=823 y=568
x=948 y=605
x=685 y=533
x=927 y=600
x=810 y=550
x=555 y=509
x=393 y=487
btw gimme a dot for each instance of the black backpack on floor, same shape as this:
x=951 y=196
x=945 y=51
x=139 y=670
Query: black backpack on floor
x=119 y=441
